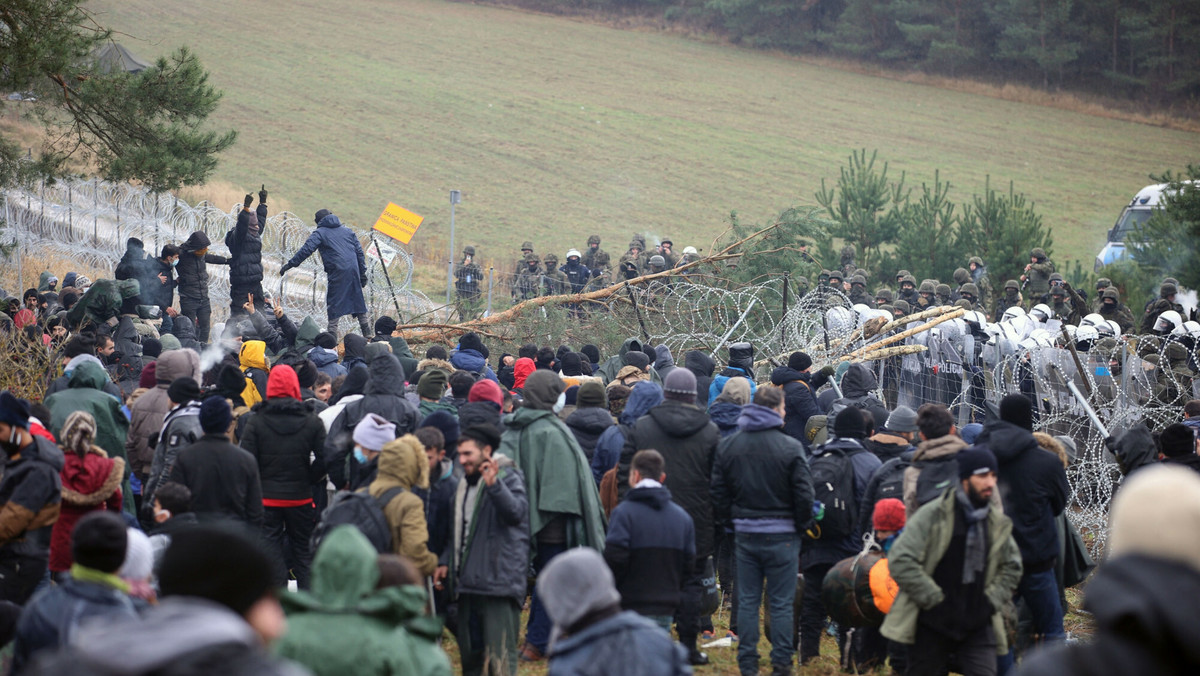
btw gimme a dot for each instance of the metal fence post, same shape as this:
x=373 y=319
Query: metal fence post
x=491 y=282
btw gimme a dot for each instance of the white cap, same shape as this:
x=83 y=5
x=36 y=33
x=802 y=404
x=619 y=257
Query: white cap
x=573 y=252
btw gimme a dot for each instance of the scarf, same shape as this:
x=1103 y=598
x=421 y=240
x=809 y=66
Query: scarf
x=85 y=574
x=973 y=561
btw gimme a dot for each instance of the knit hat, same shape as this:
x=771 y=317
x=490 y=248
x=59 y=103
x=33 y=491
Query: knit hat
x=1141 y=523
x=183 y=390
x=384 y=326
x=680 y=385
x=970 y=432
x=1016 y=409
x=169 y=342
x=139 y=556
x=974 y=460
x=326 y=340
x=799 y=361
x=472 y=341
x=903 y=419
x=889 y=515
x=444 y=422
x=638 y=359
x=98 y=541
x=572 y=364
x=13 y=411
x=147 y=379
x=283 y=383
x=373 y=432
x=306 y=373
x=592 y=352
x=78 y=432
x=321 y=214
x=215 y=563
x=215 y=416
x=151 y=347
x=486 y=390
x=542 y=388
x=591 y=395
x=574 y=585
x=1177 y=440
x=432 y=384
x=849 y=423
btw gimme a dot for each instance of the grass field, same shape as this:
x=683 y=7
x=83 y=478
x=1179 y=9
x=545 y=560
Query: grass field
x=554 y=129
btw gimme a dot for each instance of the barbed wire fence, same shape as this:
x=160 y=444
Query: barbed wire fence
x=88 y=222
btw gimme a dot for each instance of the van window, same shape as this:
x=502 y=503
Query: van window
x=1130 y=221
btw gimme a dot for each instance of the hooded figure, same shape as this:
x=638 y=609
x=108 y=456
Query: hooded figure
x=85 y=393
x=193 y=280
x=608 y=370
x=702 y=366
x=346 y=625
x=245 y=255
x=185 y=333
x=383 y=395
x=741 y=363
x=471 y=356
x=403 y=464
x=355 y=351
x=858 y=390
x=91 y=481
x=345 y=266
x=643 y=397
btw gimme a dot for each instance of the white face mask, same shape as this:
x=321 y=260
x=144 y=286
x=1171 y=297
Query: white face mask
x=561 y=403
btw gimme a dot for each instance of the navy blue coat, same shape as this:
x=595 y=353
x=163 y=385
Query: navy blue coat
x=344 y=264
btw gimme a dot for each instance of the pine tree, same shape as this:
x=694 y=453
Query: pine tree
x=1168 y=243
x=1002 y=229
x=865 y=206
x=926 y=243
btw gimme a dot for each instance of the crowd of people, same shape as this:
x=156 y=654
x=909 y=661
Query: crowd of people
x=288 y=500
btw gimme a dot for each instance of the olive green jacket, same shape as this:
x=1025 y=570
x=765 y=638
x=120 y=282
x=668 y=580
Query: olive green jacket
x=916 y=554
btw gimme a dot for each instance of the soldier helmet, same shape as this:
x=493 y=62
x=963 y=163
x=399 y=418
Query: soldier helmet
x=971 y=289
x=1177 y=354
x=942 y=289
x=636 y=244
x=1103 y=283
x=572 y=252
x=858 y=280
x=909 y=279
x=526 y=246
x=550 y=259
x=976 y=260
x=888 y=309
x=690 y=251
x=963 y=303
x=1056 y=277
x=902 y=306
x=802 y=281
x=848 y=250
x=1170 y=280
x=531 y=257
x=883 y=294
x=902 y=274
x=1012 y=284
x=469 y=250
x=824 y=274
x=658 y=261
x=928 y=287
x=836 y=274
x=961 y=276
x=667 y=240
x=602 y=258
x=1038 y=252
x=1058 y=291
x=1111 y=292
x=593 y=239
x=1167 y=290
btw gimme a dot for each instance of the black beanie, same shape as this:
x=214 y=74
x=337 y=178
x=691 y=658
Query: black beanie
x=321 y=215
x=572 y=365
x=98 y=541
x=849 y=423
x=798 y=361
x=638 y=359
x=1016 y=409
x=215 y=563
x=183 y=390
x=151 y=347
x=471 y=341
x=1177 y=440
x=306 y=373
x=215 y=416
x=326 y=340
x=384 y=326
x=592 y=352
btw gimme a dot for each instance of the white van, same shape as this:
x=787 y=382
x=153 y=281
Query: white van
x=1137 y=212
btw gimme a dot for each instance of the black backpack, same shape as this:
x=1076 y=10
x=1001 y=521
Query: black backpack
x=891 y=480
x=935 y=477
x=833 y=485
x=358 y=509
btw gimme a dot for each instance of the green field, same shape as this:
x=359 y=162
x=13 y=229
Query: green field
x=554 y=129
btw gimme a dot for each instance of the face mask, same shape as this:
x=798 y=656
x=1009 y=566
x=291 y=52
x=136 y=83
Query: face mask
x=11 y=447
x=359 y=456
x=561 y=403
x=175 y=262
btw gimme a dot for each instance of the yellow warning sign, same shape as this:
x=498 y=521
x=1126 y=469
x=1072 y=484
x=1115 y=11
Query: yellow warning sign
x=398 y=223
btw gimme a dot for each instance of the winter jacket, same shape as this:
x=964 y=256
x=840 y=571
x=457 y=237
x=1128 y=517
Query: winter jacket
x=1141 y=625
x=1033 y=487
x=864 y=464
x=354 y=351
x=651 y=549
x=718 y=384
x=52 y=619
x=223 y=479
x=702 y=366
x=133 y=264
x=473 y=361
x=886 y=482
x=155 y=291
x=346 y=626
x=193 y=270
x=86 y=394
x=403 y=464
x=687 y=440
x=799 y=399
x=858 y=391
x=916 y=553
x=245 y=254
x=611 y=442
x=345 y=266
x=556 y=475
x=491 y=556
x=625 y=644
x=90 y=483
x=608 y=370
x=938 y=450
x=725 y=414
x=30 y=497
x=439 y=506
x=128 y=343
x=181 y=636
x=383 y=396
x=887 y=446
x=63 y=382
x=149 y=411
x=282 y=435
x=587 y=424
x=327 y=362
x=665 y=362
x=185 y=331
x=181 y=428
x=761 y=473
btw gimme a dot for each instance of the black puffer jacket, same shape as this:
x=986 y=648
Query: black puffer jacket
x=587 y=424
x=281 y=435
x=154 y=290
x=383 y=396
x=799 y=400
x=687 y=440
x=245 y=253
x=760 y=472
x=193 y=269
x=701 y=366
x=1033 y=488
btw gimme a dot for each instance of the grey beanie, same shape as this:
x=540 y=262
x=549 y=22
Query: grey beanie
x=373 y=432
x=575 y=584
x=903 y=419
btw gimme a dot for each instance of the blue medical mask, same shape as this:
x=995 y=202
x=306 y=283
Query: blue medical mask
x=561 y=403
x=359 y=456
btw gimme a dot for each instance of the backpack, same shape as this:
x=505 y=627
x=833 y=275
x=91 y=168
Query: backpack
x=935 y=477
x=358 y=509
x=833 y=485
x=891 y=480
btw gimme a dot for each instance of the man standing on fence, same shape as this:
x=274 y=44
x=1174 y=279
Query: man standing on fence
x=193 y=281
x=245 y=255
x=345 y=267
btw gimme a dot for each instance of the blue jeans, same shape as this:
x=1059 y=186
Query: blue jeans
x=1040 y=591
x=775 y=559
x=537 y=631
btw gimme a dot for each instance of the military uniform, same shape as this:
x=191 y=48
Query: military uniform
x=970 y=293
x=942 y=293
x=554 y=283
x=1101 y=284
x=602 y=276
x=1010 y=298
x=1069 y=311
x=466 y=277
x=980 y=277
x=908 y=291
x=1161 y=305
x=527 y=281
x=632 y=256
x=1038 y=274
x=858 y=292
x=1116 y=311
x=848 y=268
x=526 y=250
x=668 y=252
x=590 y=253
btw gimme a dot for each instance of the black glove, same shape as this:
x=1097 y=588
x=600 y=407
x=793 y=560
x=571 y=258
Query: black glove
x=262 y=194
x=285 y=268
x=248 y=201
x=362 y=281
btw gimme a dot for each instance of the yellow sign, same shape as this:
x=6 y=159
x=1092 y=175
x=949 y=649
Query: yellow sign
x=398 y=223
